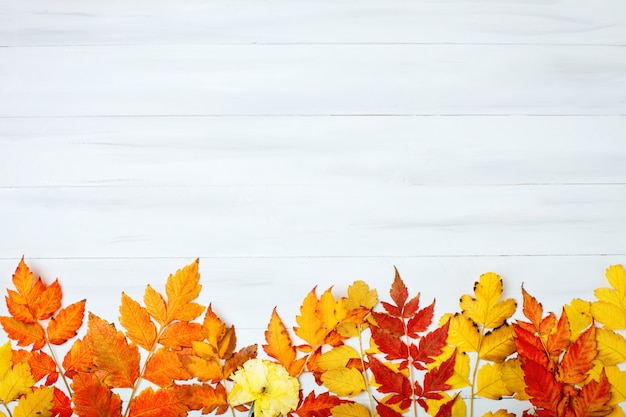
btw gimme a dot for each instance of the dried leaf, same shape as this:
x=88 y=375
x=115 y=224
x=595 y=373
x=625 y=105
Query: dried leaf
x=611 y=347
x=360 y=295
x=323 y=405
x=24 y=333
x=577 y=360
x=180 y=335
x=497 y=345
x=279 y=345
x=337 y=357
x=310 y=327
x=79 y=358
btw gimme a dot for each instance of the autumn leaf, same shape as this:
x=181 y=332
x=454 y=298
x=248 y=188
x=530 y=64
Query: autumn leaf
x=345 y=382
x=337 y=357
x=499 y=413
x=486 y=309
x=15 y=382
x=610 y=309
x=62 y=404
x=498 y=344
x=617 y=379
x=593 y=399
x=611 y=347
x=462 y=333
x=41 y=365
x=577 y=361
x=159 y=403
x=204 y=397
x=92 y=398
x=239 y=358
x=360 y=295
x=579 y=316
x=37 y=403
x=112 y=354
x=279 y=345
x=513 y=377
x=24 y=334
x=310 y=327
x=181 y=334
x=164 y=367
x=136 y=320
x=181 y=289
x=79 y=358
x=350 y=410
x=489 y=382
x=66 y=323
x=322 y=405
x=155 y=305
x=6 y=358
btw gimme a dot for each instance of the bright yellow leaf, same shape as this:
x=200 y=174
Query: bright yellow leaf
x=611 y=347
x=579 y=316
x=360 y=295
x=486 y=309
x=490 y=382
x=617 y=379
x=331 y=312
x=610 y=309
x=37 y=403
x=462 y=333
x=350 y=410
x=337 y=357
x=6 y=356
x=497 y=345
x=16 y=381
x=500 y=413
x=344 y=382
x=513 y=377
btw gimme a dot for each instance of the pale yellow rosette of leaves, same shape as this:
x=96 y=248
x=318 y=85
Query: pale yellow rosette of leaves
x=268 y=385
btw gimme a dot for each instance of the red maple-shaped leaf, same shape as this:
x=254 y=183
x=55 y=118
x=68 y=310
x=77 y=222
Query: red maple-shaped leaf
x=577 y=360
x=393 y=325
x=391 y=382
x=529 y=346
x=160 y=403
x=391 y=345
x=386 y=411
x=558 y=341
x=66 y=323
x=421 y=320
x=430 y=345
x=544 y=391
x=94 y=399
x=399 y=294
x=435 y=380
x=318 y=406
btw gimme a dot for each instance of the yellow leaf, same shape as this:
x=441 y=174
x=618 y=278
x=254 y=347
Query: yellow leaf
x=499 y=413
x=337 y=357
x=463 y=334
x=498 y=344
x=360 y=295
x=350 y=410
x=617 y=379
x=579 y=316
x=617 y=412
x=331 y=312
x=513 y=377
x=611 y=347
x=155 y=305
x=486 y=309
x=490 y=382
x=6 y=356
x=610 y=309
x=136 y=320
x=310 y=328
x=16 y=381
x=181 y=289
x=344 y=382
x=37 y=403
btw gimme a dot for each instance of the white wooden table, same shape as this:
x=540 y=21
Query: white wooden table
x=292 y=144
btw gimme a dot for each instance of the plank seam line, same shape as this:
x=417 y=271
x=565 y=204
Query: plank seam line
x=311 y=115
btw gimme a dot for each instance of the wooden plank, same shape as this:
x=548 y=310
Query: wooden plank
x=323 y=220
x=312 y=80
x=73 y=22
x=155 y=152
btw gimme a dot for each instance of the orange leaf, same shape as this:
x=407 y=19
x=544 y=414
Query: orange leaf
x=238 y=359
x=94 y=399
x=66 y=323
x=532 y=309
x=62 y=405
x=155 y=305
x=204 y=397
x=164 y=367
x=112 y=354
x=23 y=280
x=18 y=307
x=181 y=334
x=213 y=328
x=182 y=288
x=577 y=360
x=593 y=399
x=279 y=345
x=24 y=334
x=79 y=358
x=41 y=364
x=318 y=406
x=159 y=403
x=204 y=369
x=136 y=320
x=48 y=302
x=558 y=341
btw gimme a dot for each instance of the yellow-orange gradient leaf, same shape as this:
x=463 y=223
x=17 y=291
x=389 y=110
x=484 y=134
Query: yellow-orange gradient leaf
x=66 y=323
x=279 y=345
x=92 y=398
x=155 y=305
x=112 y=354
x=24 y=333
x=79 y=358
x=213 y=328
x=181 y=334
x=205 y=397
x=23 y=280
x=181 y=289
x=16 y=381
x=360 y=295
x=310 y=327
x=48 y=302
x=485 y=309
x=136 y=320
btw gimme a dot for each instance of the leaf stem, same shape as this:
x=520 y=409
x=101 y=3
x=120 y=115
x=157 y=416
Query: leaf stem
x=367 y=383
x=475 y=371
x=6 y=407
x=59 y=368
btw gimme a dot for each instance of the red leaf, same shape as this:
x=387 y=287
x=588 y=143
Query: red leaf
x=431 y=345
x=318 y=406
x=419 y=322
x=593 y=399
x=435 y=379
x=392 y=325
x=386 y=411
x=393 y=347
x=411 y=307
x=446 y=409
x=545 y=393
x=559 y=340
x=389 y=381
x=529 y=346
x=62 y=405
x=399 y=293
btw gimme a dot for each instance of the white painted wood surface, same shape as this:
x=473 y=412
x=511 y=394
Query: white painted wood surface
x=289 y=144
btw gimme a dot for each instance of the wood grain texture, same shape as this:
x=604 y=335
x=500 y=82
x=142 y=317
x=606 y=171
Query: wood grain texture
x=292 y=144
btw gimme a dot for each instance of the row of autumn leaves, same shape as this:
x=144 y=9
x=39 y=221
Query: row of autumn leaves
x=565 y=365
